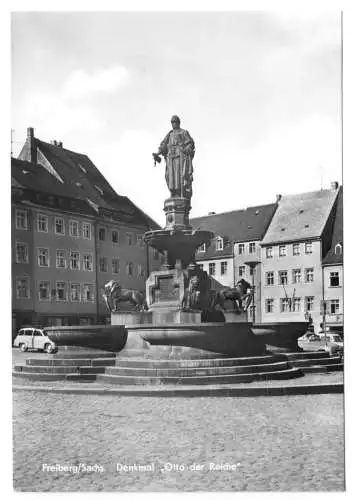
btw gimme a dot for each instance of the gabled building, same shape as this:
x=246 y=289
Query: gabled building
x=333 y=284
x=293 y=248
x=71 y=234
x=236 y=243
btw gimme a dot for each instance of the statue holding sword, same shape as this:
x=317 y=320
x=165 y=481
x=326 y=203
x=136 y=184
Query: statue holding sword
x=178 y=150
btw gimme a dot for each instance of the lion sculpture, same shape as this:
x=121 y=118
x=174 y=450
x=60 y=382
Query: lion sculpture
x=114 y=294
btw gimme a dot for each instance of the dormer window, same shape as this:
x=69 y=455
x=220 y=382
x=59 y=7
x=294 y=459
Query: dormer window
x=338 y=249
x=219 y=243
x=83 y=169
x=202 y=248
x=100 y=190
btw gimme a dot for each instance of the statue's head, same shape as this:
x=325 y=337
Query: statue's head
x=194 y=282
x=175 y=121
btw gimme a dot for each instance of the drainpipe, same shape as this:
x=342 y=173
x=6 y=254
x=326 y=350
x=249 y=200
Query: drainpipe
x=96 y=270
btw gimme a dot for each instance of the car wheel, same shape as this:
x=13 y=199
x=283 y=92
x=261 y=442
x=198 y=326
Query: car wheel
x=48 y=348
x=23 y=347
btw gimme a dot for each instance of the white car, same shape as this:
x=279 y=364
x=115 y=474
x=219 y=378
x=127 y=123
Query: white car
x=34 y=338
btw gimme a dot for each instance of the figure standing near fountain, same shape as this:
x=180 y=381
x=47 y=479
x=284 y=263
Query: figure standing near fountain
x=178 y=150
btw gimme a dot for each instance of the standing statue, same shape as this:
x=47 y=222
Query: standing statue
x=178 y=150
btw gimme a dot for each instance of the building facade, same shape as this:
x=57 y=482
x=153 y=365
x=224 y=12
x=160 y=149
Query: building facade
x=293 y=249
x=71 y=234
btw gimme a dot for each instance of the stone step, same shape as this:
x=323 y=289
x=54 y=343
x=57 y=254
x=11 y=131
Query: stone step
x=59 y=369
x=197 y=363
x=203 y=380
x=306 y=355
x=195 y=372
x=322 y=368
x=299 y=363
x=54 y=377
x=71 y=362
x=82 y=353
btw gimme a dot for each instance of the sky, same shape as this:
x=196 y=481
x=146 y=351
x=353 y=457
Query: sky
x=259 y=93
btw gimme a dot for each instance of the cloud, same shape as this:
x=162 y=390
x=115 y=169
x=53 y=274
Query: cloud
x=81 y=84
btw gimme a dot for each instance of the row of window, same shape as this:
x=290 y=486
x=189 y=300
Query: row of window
x=63 y=291
x=224 y=269
x=295 y=305
x=283 y=250
x=219 y=245
x=74 y=229
x=284 y=275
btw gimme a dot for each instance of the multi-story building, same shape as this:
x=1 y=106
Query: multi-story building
x=298 y=238
x=71 y=234
x=236 y=243
x=333 y=295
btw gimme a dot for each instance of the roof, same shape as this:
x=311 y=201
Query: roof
x=301 y=216
x=337 y=236
x=83 y=180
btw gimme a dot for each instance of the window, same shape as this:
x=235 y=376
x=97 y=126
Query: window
x=155 y=254
x=282 y=250
x=334 y=278
x=21 y=219
x=139 y=240
x=87 y=262
x=212 y=268
x=219 y=243
x=309 y=303
x=269 y=252
x=21 y=253
x=270 y=278
x=269 y=305
x=75 y=292
x=22 y=288
x=43 y=257
x=59 y=227
x=44 y=290
x=223 y=267
x=141 y=270
x=296 y=249
x=74 y=260
x=87 y=292
x=62 y=292
x=102 y=234
x=338 y=249
x=42 y=223
x=202 y=248
x=60 y=260
x=130 y=269
x=309 y=275
x=296 y=275
x=241 y=248
x=242 y=271
x=74 y=228
x=284 y=305
x=86 y=230
x=115 y=237
x=103 y=264
x=296 y=304
x=252 y=248
x=308 y=247
x=283 y=277
x=130 y=239
x=334 y=306
x=115 y=266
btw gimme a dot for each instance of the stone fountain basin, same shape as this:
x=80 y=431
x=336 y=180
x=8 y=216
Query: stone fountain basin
x=280 y=337
x=105 y=337
x=231 y=339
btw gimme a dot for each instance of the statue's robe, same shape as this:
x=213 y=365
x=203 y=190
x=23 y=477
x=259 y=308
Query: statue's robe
x=178 y=151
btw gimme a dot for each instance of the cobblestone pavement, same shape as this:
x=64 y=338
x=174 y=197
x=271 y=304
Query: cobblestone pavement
x=272 y=443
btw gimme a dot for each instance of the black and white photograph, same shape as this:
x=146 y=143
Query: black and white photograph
x=176 y=227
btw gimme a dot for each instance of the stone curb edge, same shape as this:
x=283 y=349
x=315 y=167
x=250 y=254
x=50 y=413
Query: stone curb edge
x=215 y=391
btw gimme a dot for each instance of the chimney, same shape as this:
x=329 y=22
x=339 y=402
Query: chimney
x=31 y=144
x=334 y=185
x=60 y=144
x=277 y=198
x=212 y=213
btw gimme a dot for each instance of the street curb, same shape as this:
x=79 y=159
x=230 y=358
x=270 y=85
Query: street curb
x=214 y=391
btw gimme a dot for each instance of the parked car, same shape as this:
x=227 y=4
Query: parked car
x=331 y=343
x=34 y=338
